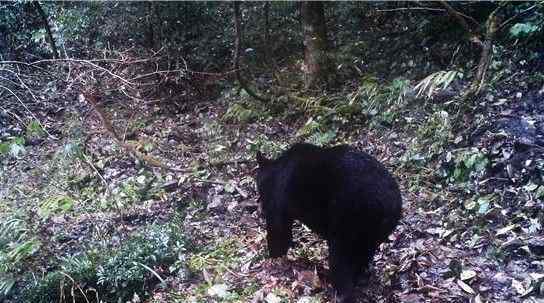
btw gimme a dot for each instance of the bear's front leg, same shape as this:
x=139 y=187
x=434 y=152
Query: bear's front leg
x=345 y=267
x=278 y=235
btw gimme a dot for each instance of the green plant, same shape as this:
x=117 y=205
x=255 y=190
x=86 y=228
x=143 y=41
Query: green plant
x=55 y=205
x=13 y=147
x=115 y=274
x=464 y=164
x=34 y=130
x=133 y=190
x=15 y=247
x=435 y=82
x=322 y=138
x=266 y=146
x=381 y=101
x=524 y=30
x=126 y=270
x=219 y=257
x=481 y=205
x=74 y=282
x=240 y=113
x=434 y=134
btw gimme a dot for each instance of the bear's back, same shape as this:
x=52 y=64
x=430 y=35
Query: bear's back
x=338 y=182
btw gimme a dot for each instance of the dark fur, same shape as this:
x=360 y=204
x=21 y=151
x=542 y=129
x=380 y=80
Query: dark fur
x=344 y=195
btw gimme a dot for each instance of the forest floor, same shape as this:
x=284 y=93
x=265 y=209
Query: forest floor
x=445 y=249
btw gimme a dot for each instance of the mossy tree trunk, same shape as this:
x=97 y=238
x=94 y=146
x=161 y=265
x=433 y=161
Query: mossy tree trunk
x=316 y=61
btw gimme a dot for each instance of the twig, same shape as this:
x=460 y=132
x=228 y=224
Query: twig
x=89 y=62
x=513 y=18
x=152 y=271
x=211 y=181
x=75 y=285
x=12 y=114
x=85 y=158
x=412 y=9
x=461 y=19
x=231 y=162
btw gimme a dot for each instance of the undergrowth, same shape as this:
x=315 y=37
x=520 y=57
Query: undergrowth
x=113 y=274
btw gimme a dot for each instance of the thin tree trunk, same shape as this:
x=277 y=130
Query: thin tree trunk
x=150 y=34
x=315 y=44
x=267 y=48
x=237 y=46
x=478 y=82
x=47 y=27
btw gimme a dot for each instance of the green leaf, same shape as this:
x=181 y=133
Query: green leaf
x=55 y=205
x=13 y=147
x=530 y=186
x=520 y=30
x=540 y=192
x=34 y=129
x=484 y=206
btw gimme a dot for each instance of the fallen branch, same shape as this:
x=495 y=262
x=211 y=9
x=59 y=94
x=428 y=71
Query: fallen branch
x=149 y=160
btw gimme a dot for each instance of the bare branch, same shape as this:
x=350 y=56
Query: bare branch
x=412 y=9
x=461 y=20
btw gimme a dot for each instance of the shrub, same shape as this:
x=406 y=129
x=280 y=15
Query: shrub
x=114 y=275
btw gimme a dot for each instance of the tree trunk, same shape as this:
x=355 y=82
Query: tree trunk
x=237 y=51
x=266 y=36
x=478 y=82
x=316 y=62
x=485 y=58
x=150 y=33
x=45 y=22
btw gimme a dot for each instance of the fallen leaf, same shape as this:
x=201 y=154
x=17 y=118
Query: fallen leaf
x=506 y=229
x=467 y=274
x=518 y=286
x=464 y=286
x=218 y=290
x=272 y=298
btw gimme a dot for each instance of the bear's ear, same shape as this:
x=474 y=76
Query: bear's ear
x=261 y=159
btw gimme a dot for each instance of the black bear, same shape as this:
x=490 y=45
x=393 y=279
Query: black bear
x=344 y=195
